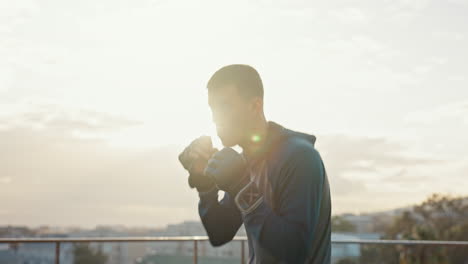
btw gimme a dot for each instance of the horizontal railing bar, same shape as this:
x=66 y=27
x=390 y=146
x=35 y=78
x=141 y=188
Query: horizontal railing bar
x=105 y=239
x=205 y=238
x=403 y=242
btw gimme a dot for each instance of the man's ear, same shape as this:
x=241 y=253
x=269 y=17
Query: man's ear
x=257 y=105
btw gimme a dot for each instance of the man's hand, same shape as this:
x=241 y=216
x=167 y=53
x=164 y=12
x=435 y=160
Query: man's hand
x=194 y=159
x=228 y=170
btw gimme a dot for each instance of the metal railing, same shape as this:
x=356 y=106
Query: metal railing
x=197 y=239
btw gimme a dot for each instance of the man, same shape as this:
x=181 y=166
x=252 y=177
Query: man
x=277 y=187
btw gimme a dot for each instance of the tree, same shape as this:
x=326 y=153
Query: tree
x=340 y=224
x=440 y=217
x=84 y=254
x=347 y=261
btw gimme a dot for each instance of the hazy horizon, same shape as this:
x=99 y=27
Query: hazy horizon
x=97 y=98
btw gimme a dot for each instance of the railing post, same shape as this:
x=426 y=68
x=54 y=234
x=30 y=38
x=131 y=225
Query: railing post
x=57 y=252
x=195 y=251
x=242 y=252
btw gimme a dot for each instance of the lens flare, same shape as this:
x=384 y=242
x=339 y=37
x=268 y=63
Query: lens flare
x=256 y=138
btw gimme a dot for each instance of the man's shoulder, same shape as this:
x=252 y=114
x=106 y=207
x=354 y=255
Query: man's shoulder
x=297 y=146
x=296 y=158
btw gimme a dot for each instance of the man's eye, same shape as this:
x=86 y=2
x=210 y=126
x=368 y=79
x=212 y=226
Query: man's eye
x=222 y=109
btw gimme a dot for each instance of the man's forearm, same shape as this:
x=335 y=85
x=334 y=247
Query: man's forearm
x=220 y=219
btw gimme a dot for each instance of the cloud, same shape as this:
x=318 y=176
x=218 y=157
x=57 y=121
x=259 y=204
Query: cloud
x=5 y=180
x=368 y=174
x=451 y=112
x=66 y=120
x=350 y=15
x=444 y=127
x=57 y=178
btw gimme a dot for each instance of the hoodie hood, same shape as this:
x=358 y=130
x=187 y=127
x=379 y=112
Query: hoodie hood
x=276 y=135
x=279 y=133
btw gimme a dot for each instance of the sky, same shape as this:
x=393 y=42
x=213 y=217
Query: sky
x=98 y=97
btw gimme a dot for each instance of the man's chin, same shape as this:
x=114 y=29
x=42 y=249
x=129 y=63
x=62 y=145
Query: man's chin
x=228 y=143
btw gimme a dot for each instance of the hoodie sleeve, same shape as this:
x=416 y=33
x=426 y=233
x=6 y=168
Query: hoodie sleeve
x=221 y=219
x=286 y=234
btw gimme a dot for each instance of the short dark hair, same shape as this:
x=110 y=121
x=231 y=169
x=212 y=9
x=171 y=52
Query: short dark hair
x=244 y=77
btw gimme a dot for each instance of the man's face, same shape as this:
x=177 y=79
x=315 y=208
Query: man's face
x=232 y=114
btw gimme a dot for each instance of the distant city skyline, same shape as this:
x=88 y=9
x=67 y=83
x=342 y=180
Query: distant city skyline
x=97 y=98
